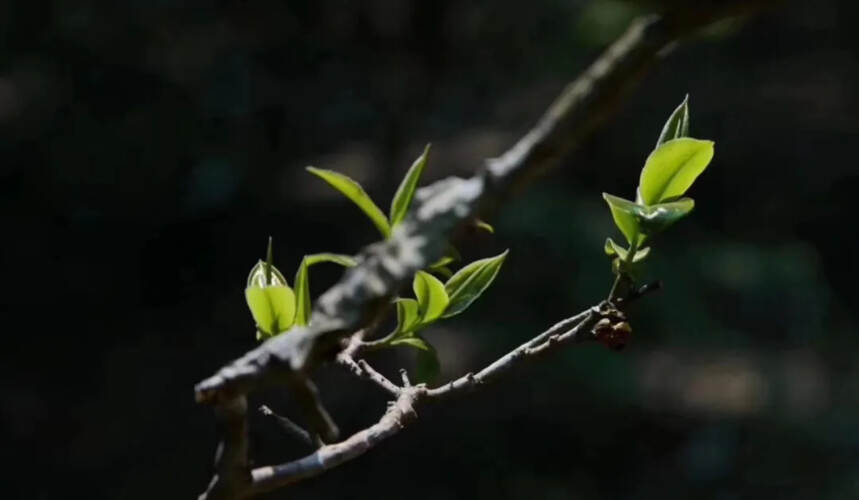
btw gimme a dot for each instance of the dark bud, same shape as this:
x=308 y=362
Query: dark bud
x=613 y=333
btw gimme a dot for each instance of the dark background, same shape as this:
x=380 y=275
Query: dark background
x=148 y=148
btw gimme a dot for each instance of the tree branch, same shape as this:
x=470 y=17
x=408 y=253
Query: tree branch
x=366 y=289
x=573 y=329
x=362 y=369
x=402 y=410
x=232 y=475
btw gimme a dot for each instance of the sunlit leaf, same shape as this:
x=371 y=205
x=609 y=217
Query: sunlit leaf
x=431 y=295
x=441 y=262
x=641 y=254
x=334 y=258
x=484 y=225
x=406 y=191
x=651 y=219
x=656 y=218
x=451 y=255
x=623 y=213
x=264 y=274
x=613 y=249
x=413 y=341
x=408 y=315
x=609 y=247
x=442 y=271
x=470 y=282
x=270 y=300
x=672 y=168
x=356 y=193
x=677 y=125
x=302 y=282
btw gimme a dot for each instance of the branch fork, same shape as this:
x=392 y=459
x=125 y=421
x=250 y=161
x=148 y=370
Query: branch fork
x=335 y=332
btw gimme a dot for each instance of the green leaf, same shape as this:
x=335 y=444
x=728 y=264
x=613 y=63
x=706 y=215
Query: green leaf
x=356 y=193
x=442 y=271
x=447 y=259
x=431 y=295
x=677 y=125
x=270 y=300
x=470 y=282
x=403 y=197
x=273 y=308
x=334 y=258
x=484 y=225
x=656 y=218
x=451 y=255
x=413 y=341
x=408 y=317
x=648 y=220
x=641 y=254
x=612 y=249
x=302 y=282
x=672 y=168
x=609 y=247
x=265 y=274
x=623 y=212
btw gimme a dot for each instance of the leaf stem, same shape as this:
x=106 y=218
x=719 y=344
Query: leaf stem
x=621 y=275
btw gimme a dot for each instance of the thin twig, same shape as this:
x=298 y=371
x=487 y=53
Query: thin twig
x=365 y=290
x=574 y=329
x=402 y=410
x=294 y=430
x=363 y=370
x=404 y=375
x=320 y=421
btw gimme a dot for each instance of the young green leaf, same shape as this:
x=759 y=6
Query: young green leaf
x=677 y=125
x=451 y=255
x=623 y=213
x=356 y=193
x=273 y=308
x=408 y=317
x=413 y=341
x=270 y=300
x=672 y=168
x=447 y=259
x=609 y=247
x=656 y=218
x=470 y=282
x=403 y=197
x=612 y=249
x=431 y=295
x=442 y=271
x=480 y=224
x=302 y=282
